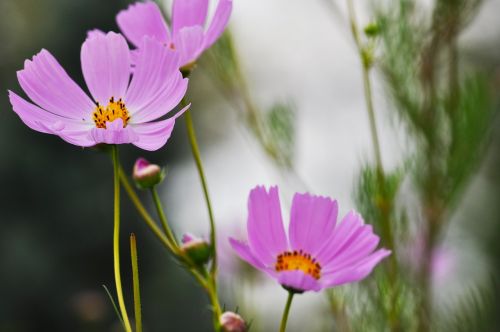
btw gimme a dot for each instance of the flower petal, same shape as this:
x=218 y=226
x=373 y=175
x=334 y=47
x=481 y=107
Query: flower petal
x=345 y=232
x=312 y=222
x=245 y=253
x=163 y=103
x=143 y=19
x=356 y=273
x=154 y=135
x=299 y=281
x=186 y=13
x=106 y=66
x=40 y=120
x=95 y=32
x=362 y=247
x=266 y=234
x=114 y=133
x=189 y=42
x=219 y=22
x=157 y=85
x=48 y=85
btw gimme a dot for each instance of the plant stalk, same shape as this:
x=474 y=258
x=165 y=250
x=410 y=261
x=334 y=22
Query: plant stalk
x=116 y=239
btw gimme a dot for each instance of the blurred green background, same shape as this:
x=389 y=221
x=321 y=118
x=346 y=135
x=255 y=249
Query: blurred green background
x=55 y=198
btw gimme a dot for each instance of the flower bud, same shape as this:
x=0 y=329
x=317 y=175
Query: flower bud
x=372 y=30
x=147 y=175
x=197 y=249
x=231 y=322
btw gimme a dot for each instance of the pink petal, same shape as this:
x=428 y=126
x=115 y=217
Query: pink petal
x=312 y=222
x=219 y=22
x=95 y=32
x=266 y=233
x=350 y=256
x=154 y=135
x=143 y=19
x=187 y=13
x=77 y=137
x=299 y=281
x=114 y=133
x=157 y=85
x=189 y=42
x=106 y=66
x=245 y=253
x=163 y=103
x=345 y=232
x=48 y=85
x=356 y=273
x=40 y=120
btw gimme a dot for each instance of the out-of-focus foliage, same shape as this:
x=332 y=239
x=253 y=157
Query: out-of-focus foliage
x=375 y=196
x=274 y=128
x=448 y=111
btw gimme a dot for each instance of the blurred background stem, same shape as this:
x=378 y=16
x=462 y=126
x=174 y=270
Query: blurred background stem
x=385 y=204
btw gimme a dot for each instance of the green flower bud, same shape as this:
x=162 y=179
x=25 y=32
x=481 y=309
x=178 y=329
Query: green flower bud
x=372 y=30
x=197 y=249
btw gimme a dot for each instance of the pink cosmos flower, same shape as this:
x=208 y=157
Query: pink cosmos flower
x=318 y=253
x=188 y=34
x=123 y=110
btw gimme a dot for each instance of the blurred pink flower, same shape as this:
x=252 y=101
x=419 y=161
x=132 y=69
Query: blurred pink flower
x=188 y=35
x=121 y=112
x=318 y=253
x=443 y=260
x=442 y=265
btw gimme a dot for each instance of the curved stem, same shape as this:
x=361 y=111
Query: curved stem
x=144 y=213
x=211 y=291
x=212 y=286
x=288 y=305
x=162 y=216
x=135 y=279
x=116 y=239
x=197 y=157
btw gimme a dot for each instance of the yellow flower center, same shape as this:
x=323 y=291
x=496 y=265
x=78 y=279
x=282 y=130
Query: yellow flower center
x=114 y=110
x=298 y=260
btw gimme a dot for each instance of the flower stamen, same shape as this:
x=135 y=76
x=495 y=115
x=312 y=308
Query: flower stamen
x=298 y=260
x=114 y=110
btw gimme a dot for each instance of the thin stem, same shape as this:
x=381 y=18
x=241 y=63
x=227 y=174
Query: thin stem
x=162 y=216
x=387 y=204
x=116 y=238
x=197 y=157
x=212 y=286
x=367 y=84
x=288 y=305
x=144 y=213
x=211 y=291
x=135 y=279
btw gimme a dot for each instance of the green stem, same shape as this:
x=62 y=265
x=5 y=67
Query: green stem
x=116 y=239
x=211 y=291
x=288 y=305
x=386 y=205
x=367 y=84
x=135 y=279
x=162 y=216
x=212 y=286
x=144 y=213
x=197 y=157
